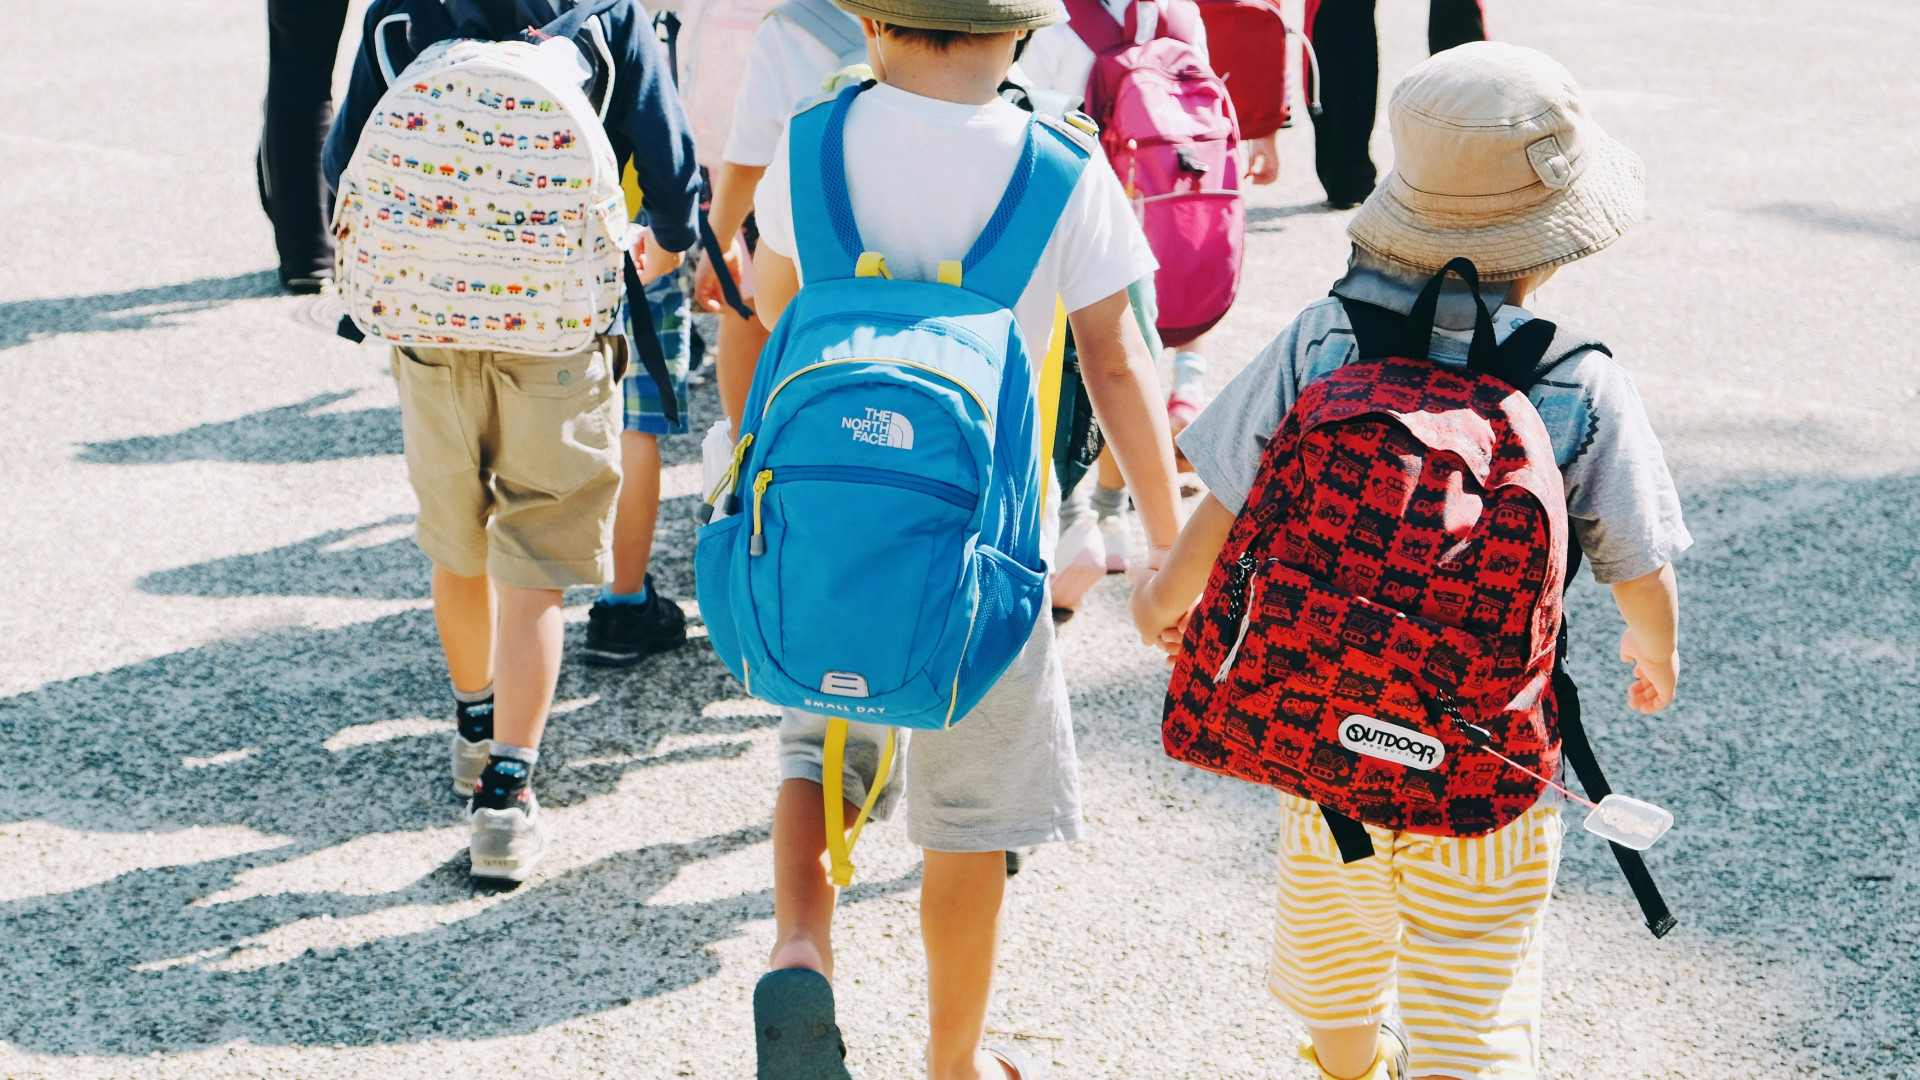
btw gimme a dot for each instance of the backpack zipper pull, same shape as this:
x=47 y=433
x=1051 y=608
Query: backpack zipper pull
x=1246 y=622
x=724 y=489
x=758 y=545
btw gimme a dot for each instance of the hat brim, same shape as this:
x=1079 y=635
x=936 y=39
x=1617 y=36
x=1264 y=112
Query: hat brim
x=1590 y=213
x=975 y=17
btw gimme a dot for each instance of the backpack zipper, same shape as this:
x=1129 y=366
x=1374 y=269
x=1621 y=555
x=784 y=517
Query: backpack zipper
x=939 y=489
x=984 y=411
x=758 y=545
x=1240 y=579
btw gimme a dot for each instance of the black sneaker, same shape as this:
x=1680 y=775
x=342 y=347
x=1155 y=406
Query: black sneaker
x=618 y=635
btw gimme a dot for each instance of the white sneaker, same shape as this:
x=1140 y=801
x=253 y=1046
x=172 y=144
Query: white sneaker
x=1081 y=556
x=1116 y=533
x=469 y=761
x=506 y=844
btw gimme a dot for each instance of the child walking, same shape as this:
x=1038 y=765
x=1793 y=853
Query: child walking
x=513 y=457
x=1496 y=161
x=928 y=153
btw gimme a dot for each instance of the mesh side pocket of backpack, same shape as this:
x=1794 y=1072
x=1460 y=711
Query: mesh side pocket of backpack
x=713 y=558
x=1003 y=619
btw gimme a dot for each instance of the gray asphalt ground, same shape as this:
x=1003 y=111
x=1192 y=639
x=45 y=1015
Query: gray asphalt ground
x=227 y=844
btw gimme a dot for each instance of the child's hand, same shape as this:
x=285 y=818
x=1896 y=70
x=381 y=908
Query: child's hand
x=706 y=283
x=1653 y=677
x=651 y=259
x=1263 y=160
x=1161 y=626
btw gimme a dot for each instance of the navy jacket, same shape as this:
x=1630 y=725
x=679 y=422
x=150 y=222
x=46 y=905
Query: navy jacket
x=644 y=121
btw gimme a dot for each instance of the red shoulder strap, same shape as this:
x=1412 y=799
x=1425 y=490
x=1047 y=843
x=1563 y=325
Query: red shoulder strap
x=1089 y=19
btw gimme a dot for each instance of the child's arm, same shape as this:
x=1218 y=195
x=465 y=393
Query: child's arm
x=775 y=281
x=1125 y=391
x=733 y=187
x=1651 y=605
x=1161 y=603
x=646 y=110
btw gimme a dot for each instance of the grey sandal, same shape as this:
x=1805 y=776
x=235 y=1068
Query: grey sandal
x=794 y=1033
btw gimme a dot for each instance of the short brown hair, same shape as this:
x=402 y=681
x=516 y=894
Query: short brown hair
x=937 y=40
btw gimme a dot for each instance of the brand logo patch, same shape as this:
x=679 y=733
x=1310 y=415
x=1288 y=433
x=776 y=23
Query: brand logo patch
x=1391 y=742
x=881 y=428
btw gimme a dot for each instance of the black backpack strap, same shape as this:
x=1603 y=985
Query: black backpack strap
x=1349 y=835
x=646 y=341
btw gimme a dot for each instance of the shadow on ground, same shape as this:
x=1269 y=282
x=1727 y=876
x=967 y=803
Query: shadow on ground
x=297 y=434
x=378 y=562
x=1902 y=225
x=22 y=321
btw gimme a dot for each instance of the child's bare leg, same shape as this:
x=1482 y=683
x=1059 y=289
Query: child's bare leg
x=803 y=897
x=1346 y=1051
x=637 y=511
x=739 y=352
x=463 y=611
x=528 y=663
x=960 y=900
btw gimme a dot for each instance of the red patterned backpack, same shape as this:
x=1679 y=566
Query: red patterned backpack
x=1388 y=604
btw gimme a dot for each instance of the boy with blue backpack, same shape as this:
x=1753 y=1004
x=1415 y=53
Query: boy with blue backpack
x=483 y=231
x=879 y=570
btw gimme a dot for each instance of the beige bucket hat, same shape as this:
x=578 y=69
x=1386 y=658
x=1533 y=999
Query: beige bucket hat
x=1495 y=159
x=968 y=16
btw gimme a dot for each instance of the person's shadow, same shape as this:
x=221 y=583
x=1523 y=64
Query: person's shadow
x=315 y=739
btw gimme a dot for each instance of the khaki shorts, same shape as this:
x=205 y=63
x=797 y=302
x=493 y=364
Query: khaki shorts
x=515 y=460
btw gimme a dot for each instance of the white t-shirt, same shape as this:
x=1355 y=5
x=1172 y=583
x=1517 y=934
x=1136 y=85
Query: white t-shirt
x=925 y=175
x=785 y=66
x=1058 y=60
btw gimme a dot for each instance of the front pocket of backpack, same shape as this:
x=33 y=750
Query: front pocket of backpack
x=858 y=571
x=1205 y=227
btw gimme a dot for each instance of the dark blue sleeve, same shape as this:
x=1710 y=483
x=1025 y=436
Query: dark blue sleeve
x=645 y=122
x=363 y=92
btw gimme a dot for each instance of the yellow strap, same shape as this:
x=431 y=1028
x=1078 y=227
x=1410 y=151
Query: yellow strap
x=1050 y=385
x=949 y=272
x=872 y=264
x=840 y=839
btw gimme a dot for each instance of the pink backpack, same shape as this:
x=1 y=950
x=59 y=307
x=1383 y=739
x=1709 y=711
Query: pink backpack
x=1169 y=129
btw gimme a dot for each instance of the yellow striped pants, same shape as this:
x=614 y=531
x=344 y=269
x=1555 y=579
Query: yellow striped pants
x=1455 y=924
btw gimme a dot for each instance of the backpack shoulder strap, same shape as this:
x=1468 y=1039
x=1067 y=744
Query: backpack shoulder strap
x=829 y=26
x=1002 y=259
x=1096 y=28
x=1537 y=347
x=826 y=239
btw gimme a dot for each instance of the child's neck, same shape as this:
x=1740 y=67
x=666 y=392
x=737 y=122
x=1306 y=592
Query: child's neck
x=942 y=85
x=967 y=74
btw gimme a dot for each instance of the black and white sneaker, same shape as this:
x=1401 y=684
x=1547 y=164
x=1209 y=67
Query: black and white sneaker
x=619 y=635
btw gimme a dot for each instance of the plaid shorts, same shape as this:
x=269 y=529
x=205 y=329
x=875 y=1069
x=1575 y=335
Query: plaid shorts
x=669 y=299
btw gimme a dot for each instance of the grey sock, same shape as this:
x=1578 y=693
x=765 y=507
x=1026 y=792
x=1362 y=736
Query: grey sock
x=1108 y=501
x=518 y=753
x=1076 y=505
x=1189 y=369
x=468 y=697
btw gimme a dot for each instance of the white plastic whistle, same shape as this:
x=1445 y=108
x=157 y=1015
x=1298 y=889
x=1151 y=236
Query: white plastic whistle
x=1629 y=822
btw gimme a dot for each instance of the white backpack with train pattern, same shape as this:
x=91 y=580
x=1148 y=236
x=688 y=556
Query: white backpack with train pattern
x=482 y=207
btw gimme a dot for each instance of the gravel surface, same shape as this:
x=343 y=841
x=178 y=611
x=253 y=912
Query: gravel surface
x=223 y=812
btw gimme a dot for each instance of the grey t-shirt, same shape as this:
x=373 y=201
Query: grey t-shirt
x=1621 y=501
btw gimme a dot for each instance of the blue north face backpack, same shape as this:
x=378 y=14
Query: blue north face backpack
x=884 y=560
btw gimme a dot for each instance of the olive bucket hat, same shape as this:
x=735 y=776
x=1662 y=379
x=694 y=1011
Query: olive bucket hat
x=1495 y=159
x=967 y=16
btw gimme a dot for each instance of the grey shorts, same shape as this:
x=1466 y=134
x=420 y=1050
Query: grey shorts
x=1005 y=776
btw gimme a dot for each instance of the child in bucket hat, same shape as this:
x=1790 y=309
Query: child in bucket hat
x=926 y=153
x=1497 y=161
